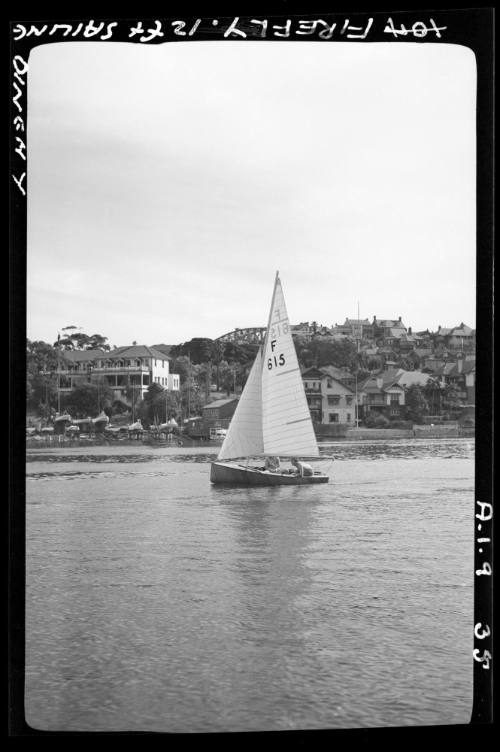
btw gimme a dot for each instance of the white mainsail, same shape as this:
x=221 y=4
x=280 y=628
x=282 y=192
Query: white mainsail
x=272 y=416
x=286 y=421
x=244 y=435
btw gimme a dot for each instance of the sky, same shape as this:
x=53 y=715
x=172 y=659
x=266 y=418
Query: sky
x=168 y=183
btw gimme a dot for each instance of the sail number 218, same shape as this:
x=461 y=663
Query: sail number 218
x=275 y=360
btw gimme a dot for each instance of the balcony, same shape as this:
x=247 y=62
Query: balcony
x=120 y=369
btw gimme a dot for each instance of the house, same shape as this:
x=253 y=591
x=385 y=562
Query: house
x=460 y=337
x=304 y=330
x=432 y=364
x=330 y=400
x=342 y=375
x=388 y=330
x=406 y=378
x=130 y=367
x=423 y=352
x=382 y=394
x=218 y=414
x=355 y=328
x=461 y=374
x=75 y=367
x=407 y=342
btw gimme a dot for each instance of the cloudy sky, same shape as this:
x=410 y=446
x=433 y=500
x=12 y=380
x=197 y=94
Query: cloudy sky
x=168 y=183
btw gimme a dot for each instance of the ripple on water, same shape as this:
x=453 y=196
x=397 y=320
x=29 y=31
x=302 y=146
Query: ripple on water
x=157 y=602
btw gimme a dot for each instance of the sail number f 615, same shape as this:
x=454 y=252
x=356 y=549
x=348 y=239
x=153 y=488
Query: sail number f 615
x=275 y=360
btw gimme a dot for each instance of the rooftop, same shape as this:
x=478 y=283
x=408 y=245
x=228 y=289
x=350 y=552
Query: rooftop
x=79 y=356
x=136 y=351
x=220 y=402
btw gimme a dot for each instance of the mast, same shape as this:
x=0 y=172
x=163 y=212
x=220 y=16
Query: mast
x=276 y=279
x=189 y=386
x=59 y=373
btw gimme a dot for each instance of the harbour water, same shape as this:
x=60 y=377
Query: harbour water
x=157 y=602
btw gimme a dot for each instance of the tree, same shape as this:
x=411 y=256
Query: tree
x=86 y=399
x=97 y=342
x=416 y=404
x=75 y=339
x=197 y=349
x=217 y=356
x=327 y=352
x=133 y=395
x=206 y=350
x=433 y=395
x=227 y=375
x=451 y=399
x=41 y=376
x=153 y=406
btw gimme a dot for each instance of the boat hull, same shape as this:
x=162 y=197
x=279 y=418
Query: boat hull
x=239 y=475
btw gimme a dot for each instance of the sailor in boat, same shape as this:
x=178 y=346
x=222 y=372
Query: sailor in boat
x=273 y=464
x=303 y=468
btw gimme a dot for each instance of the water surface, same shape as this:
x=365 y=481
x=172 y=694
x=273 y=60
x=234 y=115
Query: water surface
x=158 y=602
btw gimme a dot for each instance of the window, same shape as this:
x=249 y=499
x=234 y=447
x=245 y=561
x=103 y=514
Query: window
x=329 y=384
x=348 y=417
x=333 y=399
x=333 y=417
x=348 y=399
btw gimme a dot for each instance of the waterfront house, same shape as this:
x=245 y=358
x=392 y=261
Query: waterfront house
x=330 y=399
x=382 y=394
x=130 y=367
x=461 y=374
x=218 y=414
x=136 y=366
x=75 y=367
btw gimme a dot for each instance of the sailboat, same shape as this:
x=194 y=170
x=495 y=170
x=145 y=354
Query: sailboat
x=272 y=418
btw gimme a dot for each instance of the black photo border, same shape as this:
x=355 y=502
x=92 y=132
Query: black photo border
x=470 y=27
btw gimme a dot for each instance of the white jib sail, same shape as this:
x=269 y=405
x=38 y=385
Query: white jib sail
x=286 y=422
x=244 y=435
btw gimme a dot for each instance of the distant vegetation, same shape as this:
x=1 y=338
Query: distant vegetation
x=203 y=365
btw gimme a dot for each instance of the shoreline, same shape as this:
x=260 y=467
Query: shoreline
x=362 y=437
